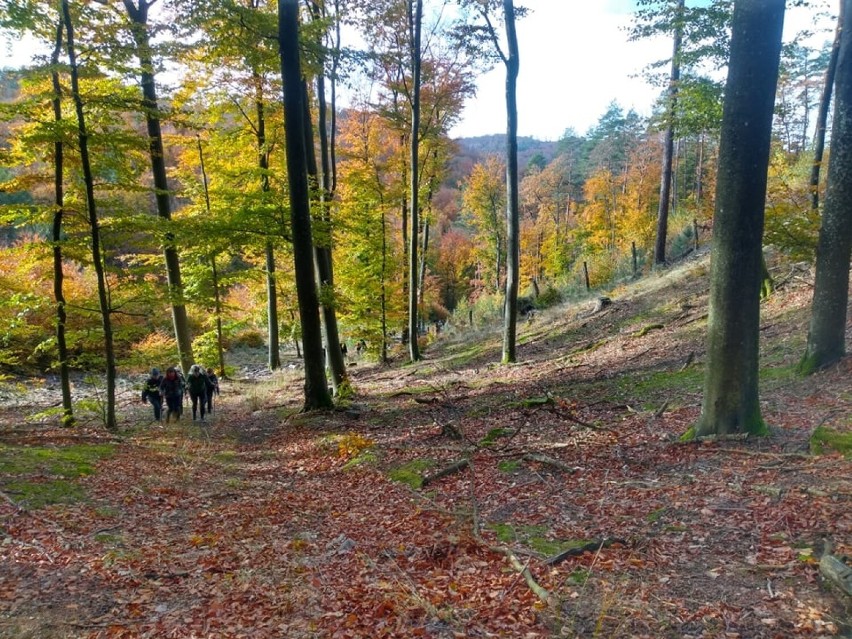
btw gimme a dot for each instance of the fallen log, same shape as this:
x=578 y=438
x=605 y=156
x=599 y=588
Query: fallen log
x=594 y=544
x=832 y=568
x=449 y=470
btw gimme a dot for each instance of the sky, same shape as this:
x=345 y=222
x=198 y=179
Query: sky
x=575 y=59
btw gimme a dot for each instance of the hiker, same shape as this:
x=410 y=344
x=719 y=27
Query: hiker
x=360 y=347
x=212 y=387
x=171 y=388
x=197 y=385
x=151 y=393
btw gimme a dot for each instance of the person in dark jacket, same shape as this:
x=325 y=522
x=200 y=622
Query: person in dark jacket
x=197 y=385
x=212 y=387
x=151 y=393
x=171 y=389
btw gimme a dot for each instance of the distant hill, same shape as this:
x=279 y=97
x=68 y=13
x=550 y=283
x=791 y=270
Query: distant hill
x=475 y=149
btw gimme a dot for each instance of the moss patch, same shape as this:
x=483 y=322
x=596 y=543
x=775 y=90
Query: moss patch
x=824 y=438
x=411 y=473
x=36 y=476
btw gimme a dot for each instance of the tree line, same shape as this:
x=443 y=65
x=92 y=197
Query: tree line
x=178 y=175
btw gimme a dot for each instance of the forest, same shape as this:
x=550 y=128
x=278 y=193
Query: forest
x=575 y=368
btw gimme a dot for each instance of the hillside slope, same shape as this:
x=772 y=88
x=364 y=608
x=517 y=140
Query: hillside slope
x=567 y=506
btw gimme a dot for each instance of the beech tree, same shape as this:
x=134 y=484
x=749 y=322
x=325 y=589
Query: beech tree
x=56 y=233
x=94 y=224
x=730 y=403
x=316 y=387
x=668 y=144
x=827 y=334
x=140 y=31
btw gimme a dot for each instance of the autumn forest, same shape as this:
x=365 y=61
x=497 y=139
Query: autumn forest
x=271 y=190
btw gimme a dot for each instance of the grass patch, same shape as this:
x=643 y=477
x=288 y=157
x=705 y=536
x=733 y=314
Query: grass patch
x=411 y=473
x=824 y=438
x=509 y=465
x=494 y=434
x=37 y=476
x=656 y=515
x=67 y=461
x=534 y=537
x=365 y=458
x=37 y=494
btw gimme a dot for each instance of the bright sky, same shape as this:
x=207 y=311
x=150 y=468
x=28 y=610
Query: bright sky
x=575 y=59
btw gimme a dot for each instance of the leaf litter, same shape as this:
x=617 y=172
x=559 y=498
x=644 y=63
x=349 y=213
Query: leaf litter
x=271 y=523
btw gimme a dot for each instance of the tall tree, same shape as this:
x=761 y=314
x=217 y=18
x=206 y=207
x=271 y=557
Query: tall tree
x=324 y=176
x=822 y=113
x=56 y=233
x=668 y=143
x=142 y=39
x=414 y=10
x=730 y=403
x=827 y=335
x=316 y=387
x=94 y=224
x=510 y=59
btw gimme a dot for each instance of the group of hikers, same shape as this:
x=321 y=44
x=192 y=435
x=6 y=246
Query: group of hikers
x=171 y=389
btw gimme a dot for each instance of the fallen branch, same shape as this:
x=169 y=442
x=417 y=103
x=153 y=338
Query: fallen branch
x=662 y=409
x=594 y=544
x=550 y=461
x=449 y=470
x=539 y=591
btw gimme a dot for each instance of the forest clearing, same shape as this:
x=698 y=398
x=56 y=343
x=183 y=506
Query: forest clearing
x=568 y=506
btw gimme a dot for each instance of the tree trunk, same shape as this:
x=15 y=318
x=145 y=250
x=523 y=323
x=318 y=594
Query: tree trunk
x=322 y=256
x=827 y=334
x=273 y=337
x=822 y=114
x=214 y=273
x=91 y=208
x=510 y=320
x=730 y=403
x=150 y=106
x=421 y=278
x=316 y=386
x=56 y=236
x=668 y=145
x=415 y=21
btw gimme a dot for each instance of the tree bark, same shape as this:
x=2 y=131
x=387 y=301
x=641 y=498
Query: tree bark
x=322 y=257
x=214 y=272
x=668 y=145
x=730 y=403
x=415 y=26
x=150 y=106
x=94 y=225
x=56 y=236
x=316 y=387
x=822 y=114
x=827 y=334
x=273 y=338
x=510 y=320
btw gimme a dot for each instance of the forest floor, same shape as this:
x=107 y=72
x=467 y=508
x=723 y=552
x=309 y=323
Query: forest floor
x=574 y=509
